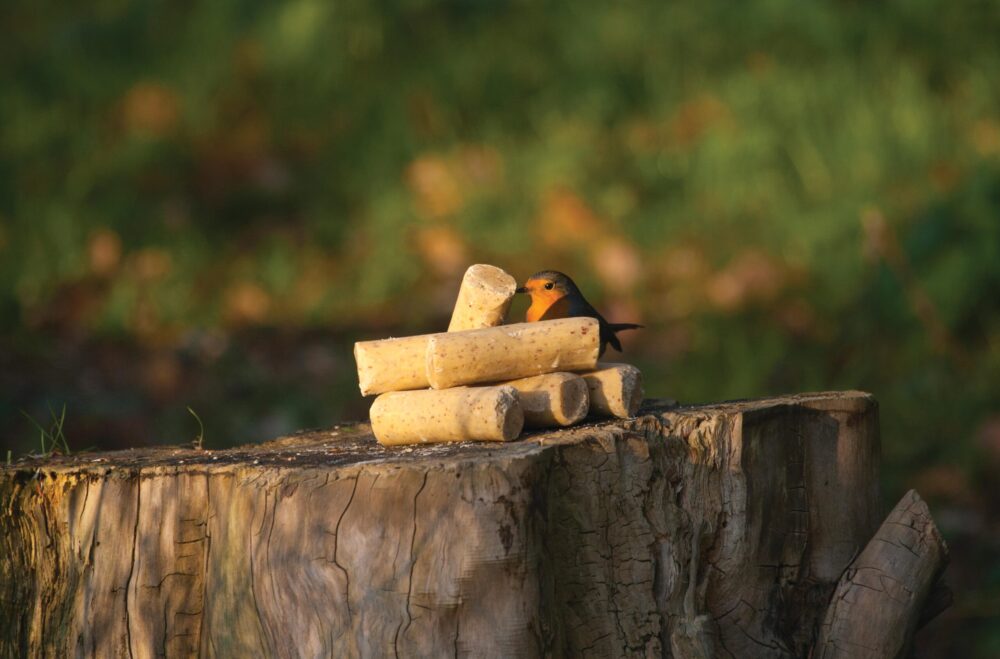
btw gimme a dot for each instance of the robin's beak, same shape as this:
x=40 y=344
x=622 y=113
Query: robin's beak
x=521 y=290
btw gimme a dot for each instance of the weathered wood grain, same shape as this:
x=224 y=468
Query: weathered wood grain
x=717 y=530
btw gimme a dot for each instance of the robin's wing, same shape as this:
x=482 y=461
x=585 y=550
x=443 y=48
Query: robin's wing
x=561 y=308
x=583 y=308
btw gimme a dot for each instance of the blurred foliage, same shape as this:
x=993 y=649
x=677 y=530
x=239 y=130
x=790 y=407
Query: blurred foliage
x=792 y=196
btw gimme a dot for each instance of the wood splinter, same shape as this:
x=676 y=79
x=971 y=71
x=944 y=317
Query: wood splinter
x=877 y=605
x=483 y=299
x=448 y=415
x=553 y=399
x=509 y=352
x=615 y=390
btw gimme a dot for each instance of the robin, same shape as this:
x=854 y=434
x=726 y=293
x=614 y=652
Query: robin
x=554 y=295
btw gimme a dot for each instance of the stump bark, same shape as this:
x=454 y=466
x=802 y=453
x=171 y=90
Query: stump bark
x=707 y=531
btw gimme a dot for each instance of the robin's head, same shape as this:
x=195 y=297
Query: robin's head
x=549 y=285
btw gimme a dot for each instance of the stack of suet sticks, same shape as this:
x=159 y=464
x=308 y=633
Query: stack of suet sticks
x=483 y=380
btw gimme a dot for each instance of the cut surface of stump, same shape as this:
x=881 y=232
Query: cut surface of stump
x=714 y=530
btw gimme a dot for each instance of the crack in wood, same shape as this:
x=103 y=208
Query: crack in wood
x=413 y=562
x=135 y=541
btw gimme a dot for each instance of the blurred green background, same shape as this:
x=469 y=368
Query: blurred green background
x=204 y=203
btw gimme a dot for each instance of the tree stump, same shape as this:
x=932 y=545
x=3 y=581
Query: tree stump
x=706 y=531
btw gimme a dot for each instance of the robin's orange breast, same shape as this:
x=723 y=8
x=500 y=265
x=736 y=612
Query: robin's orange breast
x=547 y=308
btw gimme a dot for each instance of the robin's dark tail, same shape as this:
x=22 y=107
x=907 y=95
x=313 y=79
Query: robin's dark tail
x=608 y=334
x=617 y=327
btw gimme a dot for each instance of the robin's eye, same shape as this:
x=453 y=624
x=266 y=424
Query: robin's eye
x=549 y=286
